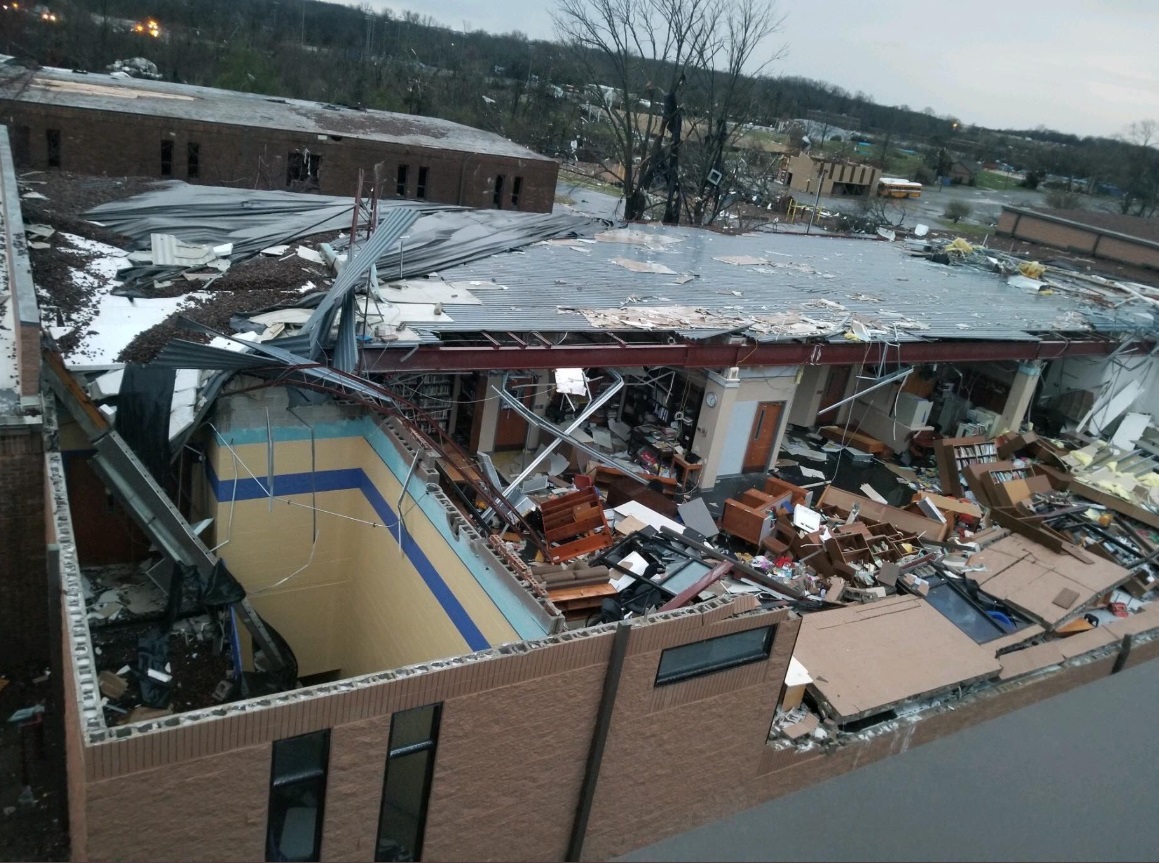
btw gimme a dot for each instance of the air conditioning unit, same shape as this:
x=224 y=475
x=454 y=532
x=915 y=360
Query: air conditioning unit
x=732 y=374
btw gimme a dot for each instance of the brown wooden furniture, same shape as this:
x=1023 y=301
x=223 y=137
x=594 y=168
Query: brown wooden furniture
x=955 y=454
x=581 y=598
x=855 y=439
x=574 y=524
x=799 y=495
x=746 y=518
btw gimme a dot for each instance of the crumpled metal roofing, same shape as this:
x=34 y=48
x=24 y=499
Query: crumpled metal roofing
x=442 y=236
x=546 y=285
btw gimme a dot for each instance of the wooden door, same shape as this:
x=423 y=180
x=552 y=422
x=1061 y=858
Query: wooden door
x=511 y=428
x=834 y=392
x=764 y=432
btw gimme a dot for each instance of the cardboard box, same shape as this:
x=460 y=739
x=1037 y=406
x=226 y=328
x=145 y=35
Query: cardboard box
x=1016 y=444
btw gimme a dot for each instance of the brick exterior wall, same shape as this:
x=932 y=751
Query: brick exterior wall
x=515 y=734
x=1093 y=242
x=24 y=594
x=115 y=144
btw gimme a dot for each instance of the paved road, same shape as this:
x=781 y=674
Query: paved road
x=1072 y=778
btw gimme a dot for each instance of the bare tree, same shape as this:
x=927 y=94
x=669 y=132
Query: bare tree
x=631 y=41
x=1141 y=171
x=648 y=49
x=726 y=96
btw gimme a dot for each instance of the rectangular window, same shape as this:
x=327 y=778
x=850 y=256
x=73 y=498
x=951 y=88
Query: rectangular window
x=302 y=168
x=516 y=190
x=52 y=137
x=497 y=200
x=714 y=654
x=166 y=158
x=193 y=160
x=406 y=787
x=297 y=794
x=421 y=190
x=400 y=187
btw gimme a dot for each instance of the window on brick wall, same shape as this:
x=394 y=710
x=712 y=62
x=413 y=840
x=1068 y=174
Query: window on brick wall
x=497 y=199
x=52 y=138
x=193 y=160
x=714 y=654
x=21 y=144
x=166 y=158
x=421 y=189
x=400 y=184
x=302 y=169
x=516 y=191
x=406 y=785
x=297 y=795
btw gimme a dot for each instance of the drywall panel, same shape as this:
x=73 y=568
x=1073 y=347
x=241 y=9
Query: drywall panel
x=739 y=426
x=865 y=658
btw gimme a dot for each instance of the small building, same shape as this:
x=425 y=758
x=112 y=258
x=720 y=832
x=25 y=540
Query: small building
x=837 y=176
x=964 y=171
x=104 y=124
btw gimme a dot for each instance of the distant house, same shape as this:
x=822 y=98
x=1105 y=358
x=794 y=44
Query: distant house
x=837 y=177
x=964 y=171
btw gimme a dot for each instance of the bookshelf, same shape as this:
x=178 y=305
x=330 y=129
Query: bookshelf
x=956 y=454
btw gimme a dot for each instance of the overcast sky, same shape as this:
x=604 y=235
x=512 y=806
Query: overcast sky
x=1084 y=67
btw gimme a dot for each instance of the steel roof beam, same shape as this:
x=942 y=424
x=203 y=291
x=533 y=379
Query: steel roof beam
x=716 y=356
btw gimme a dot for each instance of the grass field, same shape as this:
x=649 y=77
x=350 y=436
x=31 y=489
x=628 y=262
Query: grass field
x=992 y=180
x=966 y=230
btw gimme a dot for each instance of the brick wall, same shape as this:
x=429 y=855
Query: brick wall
x=675 y=754
x=515 y=733
x=113 y=144
x=516 y=730
x=24 y=593
x=1076 y=239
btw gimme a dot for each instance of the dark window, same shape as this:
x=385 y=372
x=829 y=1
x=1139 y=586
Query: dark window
x=401 y=185
x=302 y=168
x=52 y=136
x=421 y=191
x=166 y=158
x=516 y=190
x=21 y=144
x=714 y=654
x=498 y=198
x=193 y=160
x=406 y=787
x=297 y=794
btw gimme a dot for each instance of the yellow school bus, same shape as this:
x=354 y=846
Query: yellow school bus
x=892 y=187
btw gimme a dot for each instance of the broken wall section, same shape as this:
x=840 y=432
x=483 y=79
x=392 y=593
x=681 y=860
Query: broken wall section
x=327 y=559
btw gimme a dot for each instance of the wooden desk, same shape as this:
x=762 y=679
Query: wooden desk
x=686 y=469
x=580 y=598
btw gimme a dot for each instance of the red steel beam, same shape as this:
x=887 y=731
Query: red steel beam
x=718 y=356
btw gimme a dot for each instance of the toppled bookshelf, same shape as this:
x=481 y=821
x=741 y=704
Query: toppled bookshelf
x=574 y=524
x=954 y=455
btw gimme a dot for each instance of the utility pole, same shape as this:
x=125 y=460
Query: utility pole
x=817 y=201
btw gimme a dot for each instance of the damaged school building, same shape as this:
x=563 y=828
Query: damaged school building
x=527 y=536
x=114 y=125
